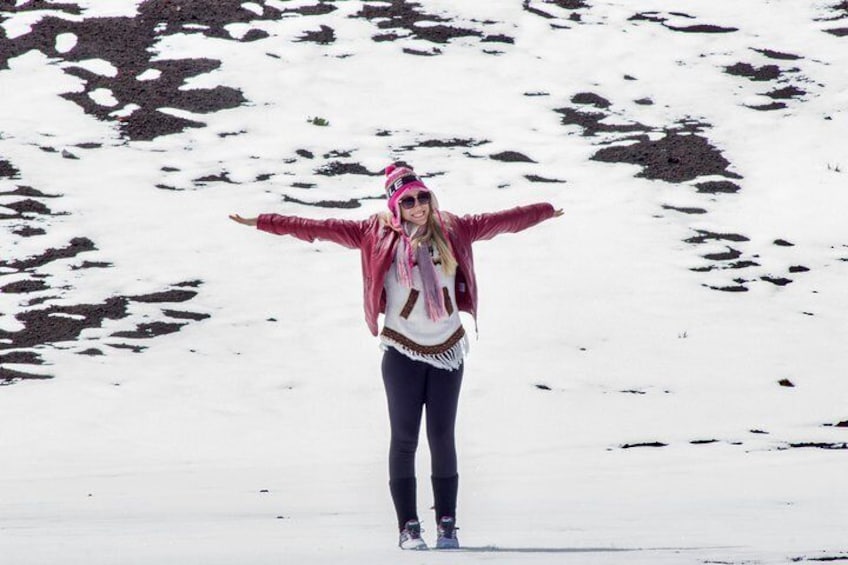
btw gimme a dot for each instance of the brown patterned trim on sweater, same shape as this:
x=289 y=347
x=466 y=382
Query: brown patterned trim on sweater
x=410 y=304
x=436 y=261
x=448 y=303
x=425 y=349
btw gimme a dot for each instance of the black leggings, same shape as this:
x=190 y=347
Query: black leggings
x=410 y=385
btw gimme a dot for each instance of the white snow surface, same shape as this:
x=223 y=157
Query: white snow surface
x=259 y=435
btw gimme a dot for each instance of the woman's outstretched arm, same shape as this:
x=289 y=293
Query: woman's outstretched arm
x=243 y=221
x=487 y=226
x=344 y=232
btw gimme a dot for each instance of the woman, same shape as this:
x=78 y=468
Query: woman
x=418 y=270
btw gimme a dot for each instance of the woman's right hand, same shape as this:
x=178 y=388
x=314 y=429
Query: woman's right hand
x=243 y=221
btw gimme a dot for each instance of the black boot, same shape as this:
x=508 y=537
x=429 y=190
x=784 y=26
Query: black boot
x=444 y=493
x=403 y=495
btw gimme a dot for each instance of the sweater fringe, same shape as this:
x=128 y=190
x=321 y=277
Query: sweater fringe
x=450 y=359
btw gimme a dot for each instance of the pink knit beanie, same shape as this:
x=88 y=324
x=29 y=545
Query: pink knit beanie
x=400 y=179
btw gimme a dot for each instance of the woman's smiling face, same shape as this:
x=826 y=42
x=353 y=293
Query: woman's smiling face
x=419 y=212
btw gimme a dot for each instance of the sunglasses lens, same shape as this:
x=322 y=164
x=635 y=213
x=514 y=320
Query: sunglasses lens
x=409 y=202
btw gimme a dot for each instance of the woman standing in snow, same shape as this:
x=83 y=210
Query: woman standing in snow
x=418 y=270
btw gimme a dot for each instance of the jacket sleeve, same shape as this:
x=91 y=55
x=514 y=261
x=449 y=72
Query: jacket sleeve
x=487 y=226
x=344 y=232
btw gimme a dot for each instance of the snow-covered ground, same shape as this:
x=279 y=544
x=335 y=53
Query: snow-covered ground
x=659 y=374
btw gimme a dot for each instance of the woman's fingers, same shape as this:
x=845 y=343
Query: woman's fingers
x=243 y=221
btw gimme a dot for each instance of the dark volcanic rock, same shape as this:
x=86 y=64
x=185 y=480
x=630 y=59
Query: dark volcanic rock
x=676 y=157
x=29 y=206
x=511 y=157
x=819 y=445
x=656 y=17
x=7 y=170
x=21 y=358
x=128 y=43
x=22 y=287
x=324 y=36
x=785 y=93
x=702 y=28
x=345 y=204
x=28 y=231
x=9 y=375
x=500 y=38
x=446 y=143
x=646 y=444
x=150 y=330
x=164 y=297
x=729 y=288
x=62 y=323
x=75 y=247
x=180 y=315
x=537 y=178
x=684 y=210
x=402 y=15
x=337 y=168
x=767 y=107
x=704 y=236
x=715 y=187
x=778 y=281
x=766 y=72
x=591 y=99
x=591 y=122
x=778 y=55
x=728 y=255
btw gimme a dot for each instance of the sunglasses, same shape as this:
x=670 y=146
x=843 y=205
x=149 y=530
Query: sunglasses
x=409 y=202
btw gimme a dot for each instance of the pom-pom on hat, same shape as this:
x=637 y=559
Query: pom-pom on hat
x=400 y=179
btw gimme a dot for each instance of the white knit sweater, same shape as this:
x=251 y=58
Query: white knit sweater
x=408 y=329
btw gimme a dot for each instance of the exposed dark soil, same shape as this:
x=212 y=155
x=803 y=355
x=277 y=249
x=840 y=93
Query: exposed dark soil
x=337 y=168
x=646 y=444
x=679 y=156
x=511 y=157
x=399 y=18
x=537 y=178
x=445 y=143
x=778 y=55
x=345 y=204
x=75 y=247
x=324 y=36
x=127 y=43
x=717 y=187
x=660 y=18
x=764 y=73
x=786 y=93
x=592 y=99
x=45 y=326
x=591 y=124
x=705 y=236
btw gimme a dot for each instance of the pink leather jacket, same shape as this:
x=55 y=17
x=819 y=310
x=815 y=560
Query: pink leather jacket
x=376 y=242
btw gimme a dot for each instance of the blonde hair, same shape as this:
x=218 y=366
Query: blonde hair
x=432 y=232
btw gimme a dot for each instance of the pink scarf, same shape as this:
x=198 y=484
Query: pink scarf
x=434 y=298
